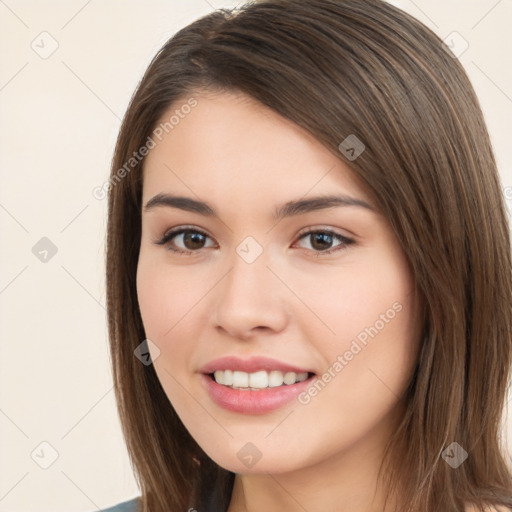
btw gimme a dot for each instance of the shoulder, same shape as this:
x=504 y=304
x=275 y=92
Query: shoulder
x=126 y=506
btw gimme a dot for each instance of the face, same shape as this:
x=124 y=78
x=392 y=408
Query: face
x=324 y=289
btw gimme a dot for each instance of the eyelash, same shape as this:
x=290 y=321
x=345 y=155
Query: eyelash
x=346 y=242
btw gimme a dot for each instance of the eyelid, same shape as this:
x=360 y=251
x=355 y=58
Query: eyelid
x=346 y=241
x=179 y=230
x=303 y=231
x=345 y=244
x=322 y=228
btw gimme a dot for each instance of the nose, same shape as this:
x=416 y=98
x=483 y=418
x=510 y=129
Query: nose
x=251 y=299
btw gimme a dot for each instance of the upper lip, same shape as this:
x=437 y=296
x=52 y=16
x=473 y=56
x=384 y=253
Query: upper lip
x=250 y=365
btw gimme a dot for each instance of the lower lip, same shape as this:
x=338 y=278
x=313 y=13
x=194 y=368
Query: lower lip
x=246 y=401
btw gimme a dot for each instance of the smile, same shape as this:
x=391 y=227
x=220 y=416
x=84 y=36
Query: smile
x=255 y=400
x=258 y=380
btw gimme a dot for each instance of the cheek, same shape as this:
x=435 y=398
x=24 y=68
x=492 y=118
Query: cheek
x=370 y=358
x=359 y=295
x=372 y=351
x=164 y=303
x=166 y=298
x=152 y=300
x=367 y=373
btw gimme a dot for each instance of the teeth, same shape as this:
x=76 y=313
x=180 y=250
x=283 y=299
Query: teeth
x=275 y=378
x=257 y=380
x=240 y=380
x=228 y=377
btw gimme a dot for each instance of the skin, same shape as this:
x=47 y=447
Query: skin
x=289 y=304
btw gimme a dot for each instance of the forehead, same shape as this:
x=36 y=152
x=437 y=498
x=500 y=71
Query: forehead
x=229 y=144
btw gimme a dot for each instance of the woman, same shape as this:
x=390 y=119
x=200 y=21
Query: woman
x=308 y=269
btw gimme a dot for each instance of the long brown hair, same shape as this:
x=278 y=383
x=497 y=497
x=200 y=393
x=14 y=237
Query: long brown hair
x=340 y=68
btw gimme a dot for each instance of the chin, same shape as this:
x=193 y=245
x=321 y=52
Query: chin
x=247 y=459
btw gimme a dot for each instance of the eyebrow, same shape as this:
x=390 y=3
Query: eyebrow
x=288 y=209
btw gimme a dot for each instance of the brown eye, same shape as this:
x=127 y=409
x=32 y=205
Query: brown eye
x=192 y=240
x=187 y=241
x=321 y=241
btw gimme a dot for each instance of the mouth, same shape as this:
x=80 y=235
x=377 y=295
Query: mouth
x=258 y=381
x=255 y=393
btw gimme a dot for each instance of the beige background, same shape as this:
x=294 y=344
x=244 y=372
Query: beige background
x=59 y=117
